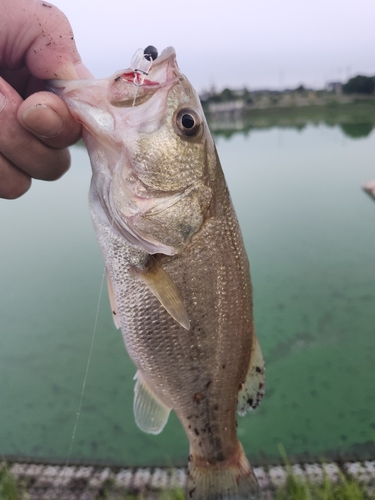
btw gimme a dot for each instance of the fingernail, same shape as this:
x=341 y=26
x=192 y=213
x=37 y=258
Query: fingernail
x=43 y=120
x=76 y=72
x=82 y=71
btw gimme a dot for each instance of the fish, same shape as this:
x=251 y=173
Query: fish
x=177 y=270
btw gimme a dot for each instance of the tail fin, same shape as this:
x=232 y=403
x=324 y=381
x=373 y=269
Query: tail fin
x=229 y=480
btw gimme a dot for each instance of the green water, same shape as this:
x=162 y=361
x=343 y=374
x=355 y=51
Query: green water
x=309 y=232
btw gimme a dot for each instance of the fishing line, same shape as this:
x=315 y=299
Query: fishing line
x=135 y=96
x=86 y=375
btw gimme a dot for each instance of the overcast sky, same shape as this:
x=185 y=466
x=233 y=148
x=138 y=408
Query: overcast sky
x=257 y=43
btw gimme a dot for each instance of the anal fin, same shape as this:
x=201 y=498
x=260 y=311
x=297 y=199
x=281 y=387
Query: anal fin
x=112 y=301
x=252 y=390
x=163 y=287
x=150 y=413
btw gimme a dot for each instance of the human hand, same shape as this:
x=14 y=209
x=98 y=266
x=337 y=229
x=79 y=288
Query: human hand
x=36 y=44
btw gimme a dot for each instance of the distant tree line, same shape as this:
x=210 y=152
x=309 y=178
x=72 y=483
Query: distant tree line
x=359 y=84
x=230 y=95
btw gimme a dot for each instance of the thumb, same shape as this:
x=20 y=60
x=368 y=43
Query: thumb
x=53 y=52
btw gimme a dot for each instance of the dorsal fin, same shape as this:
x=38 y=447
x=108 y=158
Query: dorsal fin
x=164 y=288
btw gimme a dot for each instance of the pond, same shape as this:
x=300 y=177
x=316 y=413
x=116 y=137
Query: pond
x=309 y=232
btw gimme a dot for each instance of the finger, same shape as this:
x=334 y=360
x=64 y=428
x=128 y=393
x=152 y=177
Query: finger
x=52 y=52
x=22 y=148
x=45 y=115
x=13 y=182
x=38 y=34
x=19 y=79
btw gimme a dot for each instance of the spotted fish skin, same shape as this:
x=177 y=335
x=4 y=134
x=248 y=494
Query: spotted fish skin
x=178 y=273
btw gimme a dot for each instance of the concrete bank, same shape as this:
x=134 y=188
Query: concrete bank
x=56 y=482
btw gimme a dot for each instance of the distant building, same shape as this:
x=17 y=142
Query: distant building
x=226 y=107
x=335 y=87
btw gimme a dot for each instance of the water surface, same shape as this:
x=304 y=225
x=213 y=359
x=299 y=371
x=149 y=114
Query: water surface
x=309 y=232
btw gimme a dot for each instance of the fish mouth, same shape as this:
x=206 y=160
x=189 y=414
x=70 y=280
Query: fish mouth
x=165 y=69
x=150 y=74
x=162 y=72
x=143 y=79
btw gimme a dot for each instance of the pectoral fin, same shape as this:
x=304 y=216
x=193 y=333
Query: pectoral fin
x=252 y=390
x=112 y=301
x=164 y=288
x=150 y=413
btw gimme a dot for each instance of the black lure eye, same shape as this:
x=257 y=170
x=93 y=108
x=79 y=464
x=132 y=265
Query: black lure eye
x=188 y=122
x=150 y=52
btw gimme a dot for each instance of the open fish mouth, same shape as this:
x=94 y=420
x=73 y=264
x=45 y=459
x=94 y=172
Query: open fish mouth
x=149 y=73
x=145 y=76
x=144 y=73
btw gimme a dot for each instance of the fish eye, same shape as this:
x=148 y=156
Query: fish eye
x=188 y=122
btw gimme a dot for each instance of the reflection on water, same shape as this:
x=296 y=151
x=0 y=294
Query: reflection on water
x=308 y=230
x=357 y=130
x=356 y=119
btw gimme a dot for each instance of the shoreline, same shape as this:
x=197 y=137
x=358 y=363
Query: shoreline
x=59 y=482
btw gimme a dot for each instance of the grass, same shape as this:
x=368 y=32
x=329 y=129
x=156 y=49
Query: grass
x=296 y=488
x=345 y=489
x=9 y=489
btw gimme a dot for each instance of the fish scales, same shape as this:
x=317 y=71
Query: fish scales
x=218 y=313
x=178 y=274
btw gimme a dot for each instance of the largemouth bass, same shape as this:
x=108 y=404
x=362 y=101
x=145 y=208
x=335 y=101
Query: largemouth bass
x=178 y=274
